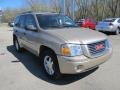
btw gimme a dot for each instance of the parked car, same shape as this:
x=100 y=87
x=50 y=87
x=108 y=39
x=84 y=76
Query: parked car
x=89 y=23
x=11 y=23
x=80 y=22
x=109 y=25
x=63 y=47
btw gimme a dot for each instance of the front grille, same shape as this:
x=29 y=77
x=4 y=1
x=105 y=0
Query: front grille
x=94 y=50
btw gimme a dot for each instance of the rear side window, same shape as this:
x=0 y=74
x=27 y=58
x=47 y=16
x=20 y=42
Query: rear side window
x=30 y=20
x=119 y=21
x=22 y=21
x=17 y=21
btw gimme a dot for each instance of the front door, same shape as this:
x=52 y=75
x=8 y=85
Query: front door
x=32 y=43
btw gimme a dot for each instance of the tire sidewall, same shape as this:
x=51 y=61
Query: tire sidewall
x=16 y=41
x=56 y=69
x=117 y=31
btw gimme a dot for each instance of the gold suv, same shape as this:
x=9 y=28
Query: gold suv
x=63 y=47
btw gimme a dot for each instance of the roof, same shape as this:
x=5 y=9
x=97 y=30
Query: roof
x=45 y=13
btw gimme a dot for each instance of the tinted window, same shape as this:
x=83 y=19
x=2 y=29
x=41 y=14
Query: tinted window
x=22 y=21
x=119 y=21
x=17 y=21
x=30 y=20
x=55 y=21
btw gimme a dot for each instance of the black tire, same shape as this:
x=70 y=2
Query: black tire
x=55 y=66
x=117 y=31
x=17 y=45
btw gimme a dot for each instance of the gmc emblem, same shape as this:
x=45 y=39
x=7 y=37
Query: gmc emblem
x=99 y=47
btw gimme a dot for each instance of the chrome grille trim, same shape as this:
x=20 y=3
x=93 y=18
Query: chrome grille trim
x=92 y=48
x=91 y=52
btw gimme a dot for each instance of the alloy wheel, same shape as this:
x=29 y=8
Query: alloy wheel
x=48 y=64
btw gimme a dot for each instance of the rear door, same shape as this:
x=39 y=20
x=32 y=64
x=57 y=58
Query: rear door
x=19 y=29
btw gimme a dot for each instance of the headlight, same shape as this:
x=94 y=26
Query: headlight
x=71 y=50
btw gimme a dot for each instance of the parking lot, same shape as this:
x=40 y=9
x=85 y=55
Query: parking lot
x=22 y=71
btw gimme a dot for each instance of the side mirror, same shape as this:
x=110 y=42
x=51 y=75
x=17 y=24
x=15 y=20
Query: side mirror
x=31 y=27
x=11 y=24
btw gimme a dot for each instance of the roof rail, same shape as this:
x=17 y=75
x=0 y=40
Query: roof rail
x=27 y=12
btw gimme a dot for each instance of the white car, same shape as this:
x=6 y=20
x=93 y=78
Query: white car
x=109 y=25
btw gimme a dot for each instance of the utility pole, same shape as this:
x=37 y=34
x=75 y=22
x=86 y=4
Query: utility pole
x=73 y=9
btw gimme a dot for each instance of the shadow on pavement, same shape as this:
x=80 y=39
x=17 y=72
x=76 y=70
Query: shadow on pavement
x=108 y=33
x=32 y=64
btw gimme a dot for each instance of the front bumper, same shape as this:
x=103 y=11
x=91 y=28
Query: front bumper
x=78 y=64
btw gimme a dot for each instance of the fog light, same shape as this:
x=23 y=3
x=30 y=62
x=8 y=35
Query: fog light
x=79 y=67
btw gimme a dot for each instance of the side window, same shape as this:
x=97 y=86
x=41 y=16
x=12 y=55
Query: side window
x=30 y=20
x=119 y=21
x=22 y=21
x=17 y=21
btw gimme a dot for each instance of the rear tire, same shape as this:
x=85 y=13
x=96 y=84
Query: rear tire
x=117 y=31
x=17 y=45
x=50 y=65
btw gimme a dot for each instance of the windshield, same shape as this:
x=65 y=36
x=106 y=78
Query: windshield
x=55 y=21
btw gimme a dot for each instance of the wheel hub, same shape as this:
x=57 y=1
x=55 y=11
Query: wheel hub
x=16 y=45
x=48 y=64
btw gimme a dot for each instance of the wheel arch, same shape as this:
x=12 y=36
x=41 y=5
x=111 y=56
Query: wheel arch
x=45 y=48
x=119 y=27
x=14 y=37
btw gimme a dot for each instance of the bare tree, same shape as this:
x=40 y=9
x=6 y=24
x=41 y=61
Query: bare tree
x=67 y=2
x=35 y=5
x=56 y=6
x=98 y=9
x=113 y=5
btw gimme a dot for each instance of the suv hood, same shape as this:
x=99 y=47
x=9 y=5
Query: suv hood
x=77 y=35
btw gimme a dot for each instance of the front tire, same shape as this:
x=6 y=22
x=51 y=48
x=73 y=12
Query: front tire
x=50 y=64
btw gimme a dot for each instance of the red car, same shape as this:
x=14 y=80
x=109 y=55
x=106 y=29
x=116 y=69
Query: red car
x=89 y=23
